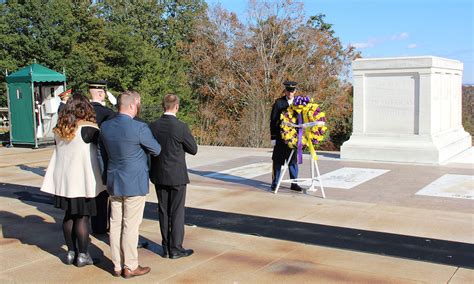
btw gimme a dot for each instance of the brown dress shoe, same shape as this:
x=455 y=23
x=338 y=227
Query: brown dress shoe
x=139 y=271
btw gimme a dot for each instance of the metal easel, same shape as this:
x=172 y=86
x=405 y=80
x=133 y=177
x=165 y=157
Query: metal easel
x=313 y=179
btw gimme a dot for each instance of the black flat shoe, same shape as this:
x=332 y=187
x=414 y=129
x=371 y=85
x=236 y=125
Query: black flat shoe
x=182 y=253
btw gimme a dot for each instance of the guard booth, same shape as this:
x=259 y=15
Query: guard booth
x=33 y=104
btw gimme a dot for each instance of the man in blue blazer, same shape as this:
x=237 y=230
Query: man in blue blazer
x=170 y=176
x=126 y=142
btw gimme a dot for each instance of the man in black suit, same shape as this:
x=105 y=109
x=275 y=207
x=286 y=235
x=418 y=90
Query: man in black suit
x=281 y=151
x=97 y=91
x=170 y=176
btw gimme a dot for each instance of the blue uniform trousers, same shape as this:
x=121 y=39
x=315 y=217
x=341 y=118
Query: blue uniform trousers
x=292 y=167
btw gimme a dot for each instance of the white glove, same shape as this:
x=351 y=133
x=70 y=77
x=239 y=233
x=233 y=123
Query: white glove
x=274 y=142
x=111 y=98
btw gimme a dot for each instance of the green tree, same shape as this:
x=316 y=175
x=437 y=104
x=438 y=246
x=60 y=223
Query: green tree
x=145 y=42
x=132 y=44
x=62 y=35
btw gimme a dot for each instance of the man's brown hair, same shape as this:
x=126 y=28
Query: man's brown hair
x=169 y=101
x=127 y=98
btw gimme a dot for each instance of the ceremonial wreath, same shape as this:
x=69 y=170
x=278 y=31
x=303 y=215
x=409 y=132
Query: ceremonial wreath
x=303 y=126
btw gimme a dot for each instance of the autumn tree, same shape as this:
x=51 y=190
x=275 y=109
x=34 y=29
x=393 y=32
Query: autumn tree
x=239 y=68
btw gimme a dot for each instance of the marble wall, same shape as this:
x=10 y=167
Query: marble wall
x=407 y=109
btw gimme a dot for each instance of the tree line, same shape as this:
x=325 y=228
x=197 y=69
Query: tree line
x=227 y=71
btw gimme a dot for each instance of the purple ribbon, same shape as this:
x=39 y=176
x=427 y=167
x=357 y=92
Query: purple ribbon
x=300 y=140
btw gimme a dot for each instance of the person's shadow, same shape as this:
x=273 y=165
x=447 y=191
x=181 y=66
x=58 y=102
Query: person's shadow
x=35 y=230
x=41 y=171
x=261 y=185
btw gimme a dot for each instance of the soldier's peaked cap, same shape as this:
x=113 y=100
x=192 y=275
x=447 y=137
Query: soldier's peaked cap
x=97 y=84
x=291 y=84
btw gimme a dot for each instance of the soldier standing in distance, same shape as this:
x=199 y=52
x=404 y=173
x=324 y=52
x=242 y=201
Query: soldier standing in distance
x=281 y=151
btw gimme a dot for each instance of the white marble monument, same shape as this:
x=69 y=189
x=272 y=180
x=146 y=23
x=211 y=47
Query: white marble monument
x=407 y=109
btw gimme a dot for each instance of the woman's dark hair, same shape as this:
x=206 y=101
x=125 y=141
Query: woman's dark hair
x=77 y=108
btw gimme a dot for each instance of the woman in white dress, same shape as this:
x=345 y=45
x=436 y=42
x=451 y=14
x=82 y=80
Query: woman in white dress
x=73 y=175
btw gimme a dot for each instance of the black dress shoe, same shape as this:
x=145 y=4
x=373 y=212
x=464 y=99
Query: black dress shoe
x=272 y=188
x=165 y=251
x=296 y=187
x=181 y=253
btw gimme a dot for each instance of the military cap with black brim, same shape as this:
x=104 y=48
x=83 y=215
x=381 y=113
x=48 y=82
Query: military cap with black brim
x=290 y=85
x=99 y=84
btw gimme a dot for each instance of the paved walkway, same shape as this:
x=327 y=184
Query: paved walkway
x=433 y=202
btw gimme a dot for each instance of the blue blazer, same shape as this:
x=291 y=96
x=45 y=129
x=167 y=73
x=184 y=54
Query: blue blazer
x=126 y=142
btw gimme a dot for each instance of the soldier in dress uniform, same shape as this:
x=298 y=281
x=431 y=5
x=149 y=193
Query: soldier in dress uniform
x=98 y=91
x=281 y=151
x=64 y=96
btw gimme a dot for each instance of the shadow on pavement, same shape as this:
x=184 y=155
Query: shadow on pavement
x=232 y=179
x=380 y=243
x=35 y=230
x=41 y=171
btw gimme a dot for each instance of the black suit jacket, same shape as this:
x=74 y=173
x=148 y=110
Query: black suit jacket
x=175 y=138
x=102 y=113
x=281 y=152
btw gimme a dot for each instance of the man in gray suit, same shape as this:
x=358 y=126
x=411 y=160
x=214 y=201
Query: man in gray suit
x=125 y=141
x=170 y=176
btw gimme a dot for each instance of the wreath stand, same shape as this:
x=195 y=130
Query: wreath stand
x=313 y=179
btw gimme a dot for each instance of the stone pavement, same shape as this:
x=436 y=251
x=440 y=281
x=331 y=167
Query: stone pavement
x=432 y=202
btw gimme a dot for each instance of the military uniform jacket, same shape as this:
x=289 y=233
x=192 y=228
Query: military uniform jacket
x=281 y=151
x=102 y=113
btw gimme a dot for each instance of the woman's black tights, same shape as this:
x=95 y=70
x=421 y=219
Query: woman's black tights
x=76 y=232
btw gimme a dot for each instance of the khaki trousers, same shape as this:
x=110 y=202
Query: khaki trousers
x=126 y=215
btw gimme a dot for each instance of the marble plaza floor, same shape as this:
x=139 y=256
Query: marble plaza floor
x=243 y=233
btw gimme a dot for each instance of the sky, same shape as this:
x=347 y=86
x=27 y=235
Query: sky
x=391 y=28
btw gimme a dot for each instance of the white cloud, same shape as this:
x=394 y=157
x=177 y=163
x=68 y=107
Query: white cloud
x=412 y=45
x=362 y=45
x=400 y=36
x=372 y=42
